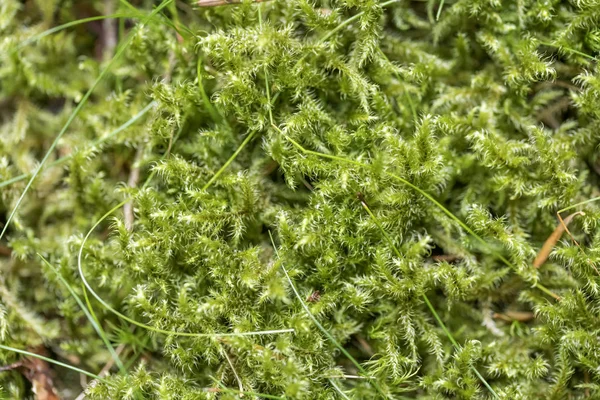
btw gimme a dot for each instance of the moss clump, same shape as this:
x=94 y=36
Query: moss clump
x=150 y=155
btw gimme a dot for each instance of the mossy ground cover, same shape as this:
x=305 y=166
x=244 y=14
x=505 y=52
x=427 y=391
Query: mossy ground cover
x=327 y=199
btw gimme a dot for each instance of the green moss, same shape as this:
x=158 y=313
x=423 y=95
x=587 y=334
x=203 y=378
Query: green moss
x=151 y=174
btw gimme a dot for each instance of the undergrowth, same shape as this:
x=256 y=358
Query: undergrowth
x=331 y=199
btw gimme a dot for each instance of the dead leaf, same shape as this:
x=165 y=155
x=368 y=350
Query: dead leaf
x=40 y=375
x=554 y=238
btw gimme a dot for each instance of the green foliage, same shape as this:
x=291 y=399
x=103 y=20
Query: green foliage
x=164 y=167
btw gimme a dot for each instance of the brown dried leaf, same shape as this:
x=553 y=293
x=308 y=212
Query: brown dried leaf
x=554 y=238
x=40 y=375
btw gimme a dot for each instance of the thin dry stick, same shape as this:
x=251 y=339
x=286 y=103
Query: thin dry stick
x=134 y=178
x=235 y=373
x=555 y=237
x=510 y=316
x=109 y=26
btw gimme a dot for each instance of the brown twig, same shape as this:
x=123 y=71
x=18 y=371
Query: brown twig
x=109 y=28
x=510 y=316
x=555 y=237
x=11 y=366
x=239 y=381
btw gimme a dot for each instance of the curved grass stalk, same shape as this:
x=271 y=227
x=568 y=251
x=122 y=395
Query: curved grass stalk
x=94 y=144
x=51 y=361
x=229 y=161
x=87 y=286
x=266 y=72
x=142 y=325
x=340 y=26
x=325 y=331
x=424 y=194
x=439 y=11
x=75 y=112
x=216 y=116
x=569 y=49
x=339 y=390
x=120 y=16
x=578 y=204
x=62 y=27
x=92 y=320
x=349 y=20
x=413 y=110
x=426 y=300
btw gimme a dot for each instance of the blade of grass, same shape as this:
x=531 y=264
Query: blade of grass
x=74 y=114
x=216 y=116
x=567 y=48
x=421 y=192
x=59 y=28
x=72 y=368
x=148 y=179
x=119 y=16
x=337 y=389
x=578 y=204
x=92 y=320
x=439 y=11
x=322 y=328
x=237 y=377
x=266 y=72
x=229 y=161
x=426 y=299
x=93 y=145
x=87 y=286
